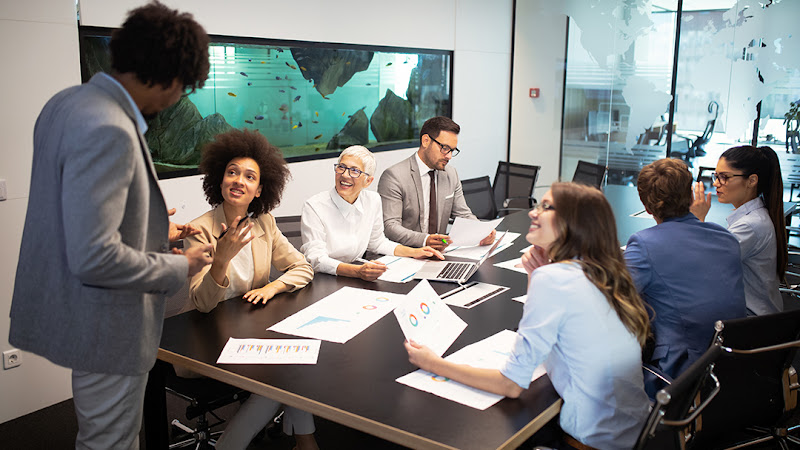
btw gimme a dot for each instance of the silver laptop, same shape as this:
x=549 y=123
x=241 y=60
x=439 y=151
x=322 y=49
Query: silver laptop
x=454 y=272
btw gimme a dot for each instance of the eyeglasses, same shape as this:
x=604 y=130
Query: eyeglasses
x=446 y=148
x=541 y=207
x=724 y=177
x=354 y=171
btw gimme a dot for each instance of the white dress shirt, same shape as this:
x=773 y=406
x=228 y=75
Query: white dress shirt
x=753 y=228
x=593 y=361
x=335 y=232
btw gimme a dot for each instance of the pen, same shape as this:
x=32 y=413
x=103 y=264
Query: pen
x=361 y=260
x=249 y=215
x=444 y=241
x=459 y=289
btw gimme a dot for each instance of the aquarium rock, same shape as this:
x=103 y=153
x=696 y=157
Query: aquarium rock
x=354 y=132
x=391 y=120
x=330 y=68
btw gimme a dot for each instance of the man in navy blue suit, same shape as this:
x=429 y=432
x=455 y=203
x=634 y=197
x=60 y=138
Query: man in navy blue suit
x=688 y=271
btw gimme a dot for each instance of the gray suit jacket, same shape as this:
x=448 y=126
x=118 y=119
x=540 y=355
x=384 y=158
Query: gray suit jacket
x=400 y=187
x=93 y=268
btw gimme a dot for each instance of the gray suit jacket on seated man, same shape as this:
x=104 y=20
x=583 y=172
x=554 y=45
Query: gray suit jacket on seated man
x=405 y=188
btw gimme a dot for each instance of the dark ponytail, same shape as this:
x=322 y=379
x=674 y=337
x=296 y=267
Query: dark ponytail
x=763 y=161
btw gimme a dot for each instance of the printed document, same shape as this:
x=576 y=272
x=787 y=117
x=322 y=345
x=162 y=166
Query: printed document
x=400 y=269
x=427 y=320
x=476 y=252
x=471 y=232
x=270 y=351
x=340 y=316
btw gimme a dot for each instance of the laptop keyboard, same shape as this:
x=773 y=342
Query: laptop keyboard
x=454 y=270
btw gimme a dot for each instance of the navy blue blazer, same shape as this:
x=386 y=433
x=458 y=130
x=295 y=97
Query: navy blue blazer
x=690 y=273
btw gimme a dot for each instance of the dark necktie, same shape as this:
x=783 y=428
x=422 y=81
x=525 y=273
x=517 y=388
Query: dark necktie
x=433 y=214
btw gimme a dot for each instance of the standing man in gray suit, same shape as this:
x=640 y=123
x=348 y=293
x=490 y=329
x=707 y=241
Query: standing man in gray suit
x=94 y=263
x=420 y=194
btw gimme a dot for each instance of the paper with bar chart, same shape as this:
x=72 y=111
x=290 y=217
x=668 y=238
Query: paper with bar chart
x=489 y=353
x=340 y=316
x=270 y=351
x=427 y=320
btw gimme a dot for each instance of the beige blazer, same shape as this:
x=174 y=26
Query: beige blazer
x=270 y=247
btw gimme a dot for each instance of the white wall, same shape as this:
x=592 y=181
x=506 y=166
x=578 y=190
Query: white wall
x=45 y=55
x=539 y=61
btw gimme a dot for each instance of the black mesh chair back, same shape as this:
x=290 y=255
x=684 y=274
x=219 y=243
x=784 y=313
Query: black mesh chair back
x=513 y=185
x=290 y=227
x=479 y=197
x=589 y=174
x=677 y=414
x=755 y=391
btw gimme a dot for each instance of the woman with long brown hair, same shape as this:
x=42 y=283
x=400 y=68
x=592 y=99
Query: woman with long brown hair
x=583 y=319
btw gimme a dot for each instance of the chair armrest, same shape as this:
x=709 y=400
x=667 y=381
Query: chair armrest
x=657 y=373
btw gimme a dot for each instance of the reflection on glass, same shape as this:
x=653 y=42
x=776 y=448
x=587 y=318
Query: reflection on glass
x=311 y=101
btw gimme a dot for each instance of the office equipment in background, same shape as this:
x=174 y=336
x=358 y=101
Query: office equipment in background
x=458 y=272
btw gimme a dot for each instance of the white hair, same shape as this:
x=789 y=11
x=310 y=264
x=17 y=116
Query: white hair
x=362 y=154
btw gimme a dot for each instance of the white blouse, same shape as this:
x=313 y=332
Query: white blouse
x=335 y=232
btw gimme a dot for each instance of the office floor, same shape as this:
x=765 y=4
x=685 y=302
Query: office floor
x=55 y=427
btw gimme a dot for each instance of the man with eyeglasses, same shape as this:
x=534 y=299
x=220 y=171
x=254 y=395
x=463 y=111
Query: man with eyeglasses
x=421 y=193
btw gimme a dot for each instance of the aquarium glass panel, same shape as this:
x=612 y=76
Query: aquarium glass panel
x=309 y=99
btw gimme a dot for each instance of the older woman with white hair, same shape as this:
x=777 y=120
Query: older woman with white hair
x=340 y=224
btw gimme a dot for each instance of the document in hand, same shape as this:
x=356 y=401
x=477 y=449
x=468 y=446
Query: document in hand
x=427 y=320
x=471 y=232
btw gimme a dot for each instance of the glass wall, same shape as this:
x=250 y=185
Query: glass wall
x=735 y=58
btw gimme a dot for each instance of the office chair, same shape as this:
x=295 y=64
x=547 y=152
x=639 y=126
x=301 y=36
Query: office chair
x=513 y=185
x=204 y=396
x=589 y=174
x=290 y=227
x=696 y=147
x=479 y=196
x=760 y=385
x=676 y=419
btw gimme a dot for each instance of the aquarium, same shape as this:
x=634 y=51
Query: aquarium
x=309 y=99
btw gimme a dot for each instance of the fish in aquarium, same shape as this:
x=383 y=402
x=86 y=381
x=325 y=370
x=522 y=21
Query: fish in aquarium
x=279 y=50
x=316 y=113
x=292 y=67
x=296 y=99
x=282 y=91
x=259 y=117
x=248 y=121
x=242 y=74
x=315 y=121
x=292 y=88
x=249 y=83
x=303 y=69
x=283 y=108
x=299 y=124
x=388 y=64
x=317 y=136
x=231 y=94
x=277 y=78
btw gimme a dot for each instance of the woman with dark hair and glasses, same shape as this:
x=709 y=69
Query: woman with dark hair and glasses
x=583 y=320
x=338 y=225
x=750 y=178
x=244 y=178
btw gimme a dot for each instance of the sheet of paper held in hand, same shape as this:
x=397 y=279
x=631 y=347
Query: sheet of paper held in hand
x=399 y=269
x=340 y=316
x=472 y=294
x=427 y=320
x=489 y=353
x=269 y=351
x=471 y=232
x=476 y=252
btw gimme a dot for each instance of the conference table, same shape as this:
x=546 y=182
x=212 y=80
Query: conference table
x=354 y=383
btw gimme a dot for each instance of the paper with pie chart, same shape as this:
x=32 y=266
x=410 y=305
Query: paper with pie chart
x=490 y=353
x=427 y=320
x=340 y=316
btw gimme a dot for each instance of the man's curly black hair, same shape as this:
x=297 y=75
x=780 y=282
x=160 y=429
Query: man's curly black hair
x=245 y=144
x=159 y=45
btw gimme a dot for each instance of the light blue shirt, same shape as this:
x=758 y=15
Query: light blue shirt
x=753 y=228
x=140 y=122
x=593 y=361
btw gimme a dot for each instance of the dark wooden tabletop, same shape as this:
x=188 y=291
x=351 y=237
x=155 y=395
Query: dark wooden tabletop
x=354 y=383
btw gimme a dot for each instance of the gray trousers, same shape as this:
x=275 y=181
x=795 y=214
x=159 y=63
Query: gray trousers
x=109 y=410
x=254 y=414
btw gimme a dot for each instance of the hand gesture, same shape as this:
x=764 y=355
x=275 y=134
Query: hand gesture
x=702 y=201
x=233 y=239
x=426 y=252
x=420 y=355
x=261 y=295
x=198 y=258
x=178 y=231
x=370 y=271
x=534 y=258
x=438 y=241
x=488 y=240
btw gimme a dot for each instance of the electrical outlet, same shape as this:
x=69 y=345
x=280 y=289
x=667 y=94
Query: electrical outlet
x=11 y=358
